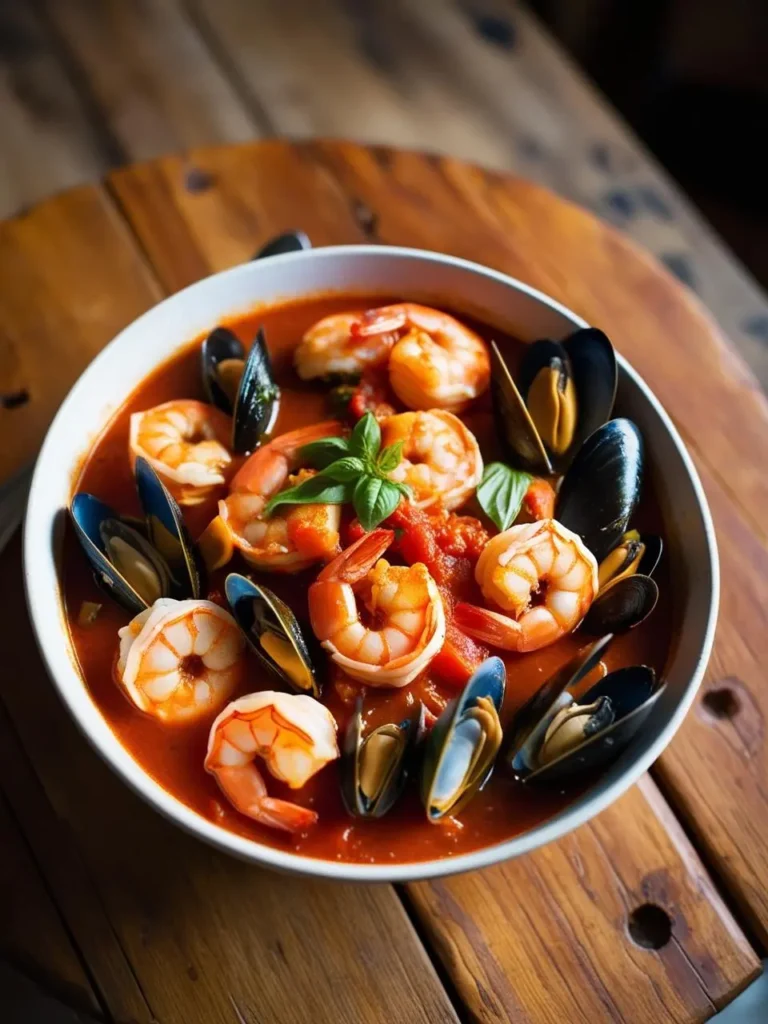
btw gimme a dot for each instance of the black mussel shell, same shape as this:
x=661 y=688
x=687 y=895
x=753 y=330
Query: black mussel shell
x=375 y=768
x=168 y=533
x=273 y=633
x=257 y=399
x=461 y=749
x=633 y=554
x=654 y=548
x=599 y=493
x=621 y=606
x=124 y=563
x=530 y=723
x=223 y=361
x=289 y=241
x=514 y=426
x=606 y=745
x=595 y=376
x=571 y=726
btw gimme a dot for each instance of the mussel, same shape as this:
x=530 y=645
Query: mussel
x=600 y=491
x=564 y=392
x=124 y=563
x=376 y=767
x=289 y=241
x=461 y=749
x=627 y=594
x=555 y=736
x=273 y=633
x=242 y=386
x=168 y=534
x=135 y=562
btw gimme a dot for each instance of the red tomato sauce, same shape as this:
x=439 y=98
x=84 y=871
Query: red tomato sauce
x=173 y=755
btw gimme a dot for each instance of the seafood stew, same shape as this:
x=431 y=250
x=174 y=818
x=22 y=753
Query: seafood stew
x=335 y=579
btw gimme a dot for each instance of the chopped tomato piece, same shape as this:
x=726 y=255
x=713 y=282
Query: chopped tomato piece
x=458 y=659
x=539 y=500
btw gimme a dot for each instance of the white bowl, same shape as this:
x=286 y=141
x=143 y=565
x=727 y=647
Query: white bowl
x=496 y=299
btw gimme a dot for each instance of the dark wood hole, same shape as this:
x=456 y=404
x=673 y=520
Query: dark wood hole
x=650 y=927
x=721 y=703
x=14 y=399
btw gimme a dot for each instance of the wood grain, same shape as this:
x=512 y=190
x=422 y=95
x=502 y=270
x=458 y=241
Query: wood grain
x=47 y=142
x=153 y=81
x=545 y=937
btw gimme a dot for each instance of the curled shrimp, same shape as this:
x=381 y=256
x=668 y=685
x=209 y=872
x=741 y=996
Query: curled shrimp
x=333 y=348
x=185 y=442
x=441 y=460
x=295 y=536
x=434 y=361
x=401 y=605
x=533 y=558
x=296 y=737
x=180 y=660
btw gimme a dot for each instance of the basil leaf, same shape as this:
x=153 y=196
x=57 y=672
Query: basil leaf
x=374 y=499
x=322 y=453
x=317 y=489
x=501 y=493
x=365 y=439
x=389 y=457
x=346 y=470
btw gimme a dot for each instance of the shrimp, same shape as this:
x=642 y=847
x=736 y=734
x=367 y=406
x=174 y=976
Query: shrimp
x=333 y=348
x=185 y=442
x=296 y=737
x=441 y=461
x=434 y=361
x=296 y=536
x=402 y=606
x=180 y=660
x=533 y=558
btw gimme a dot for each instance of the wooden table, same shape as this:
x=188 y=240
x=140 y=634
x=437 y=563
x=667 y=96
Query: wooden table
x=655 y=911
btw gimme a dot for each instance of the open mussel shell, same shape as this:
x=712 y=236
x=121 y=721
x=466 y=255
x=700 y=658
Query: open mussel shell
x=168 y=533
x=621 y=606
x=289 y=241
x=376 y=767
x=632 y=694
x=600 y=491
x=462 y=746
x=515 y=428
x=125 y=565
x=527 y=729
x=273 y=633
x=223 y=361
x=257 y=399
x=243 y=386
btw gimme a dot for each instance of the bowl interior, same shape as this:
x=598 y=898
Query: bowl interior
x=492 y=298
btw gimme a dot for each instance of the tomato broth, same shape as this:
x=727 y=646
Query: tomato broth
x=173 y=755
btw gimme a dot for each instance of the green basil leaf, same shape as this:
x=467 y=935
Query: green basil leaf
x=317 y=489
x=365 y=439
x=346 y=470
x=374 y=499
x=322 y=453
x=501 y=493
x=404 y=489
x=389 y=457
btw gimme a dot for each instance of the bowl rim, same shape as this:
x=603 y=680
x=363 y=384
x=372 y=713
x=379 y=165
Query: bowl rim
x=53 y=644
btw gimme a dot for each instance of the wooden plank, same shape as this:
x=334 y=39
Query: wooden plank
x=548 y=937
x=441 y=204
x=32 y=935
x=71 y=278
x=31 y=924
x=151 y=78
x=205 y=937
x=47 y=142
x=484 y=82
